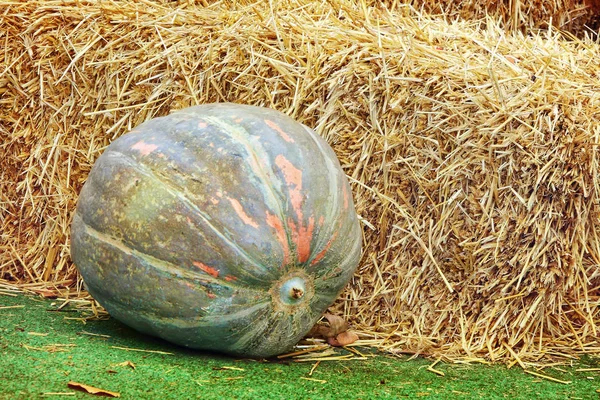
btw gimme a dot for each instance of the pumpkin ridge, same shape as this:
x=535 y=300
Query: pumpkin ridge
x=234 y=132
x=157 y=263
x=194 y=322
x=250 y=333
x=334 y=211
x=206 y=320
x=254 y=341
x=178 y=192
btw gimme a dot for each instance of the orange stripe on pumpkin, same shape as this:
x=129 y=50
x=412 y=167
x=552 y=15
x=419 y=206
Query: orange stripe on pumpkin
x=276 y=224
x=293 y=180
x=346 y=200
x=301 y=233
x=278 y=129
x=206 y=268
x=144 y=148
x=322 y=253
x=239 y=210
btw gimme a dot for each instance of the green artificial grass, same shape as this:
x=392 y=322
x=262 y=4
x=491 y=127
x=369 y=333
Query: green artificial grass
x=43 y=348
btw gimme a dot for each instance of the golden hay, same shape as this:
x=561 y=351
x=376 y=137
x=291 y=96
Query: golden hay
x=577 y=16
x=473 y=154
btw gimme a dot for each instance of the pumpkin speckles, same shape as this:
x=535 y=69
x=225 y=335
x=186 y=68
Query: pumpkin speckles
x=221 y=227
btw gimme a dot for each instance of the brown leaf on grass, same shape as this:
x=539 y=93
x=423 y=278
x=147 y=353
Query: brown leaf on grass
x=319 y=331
x=343 y=339
x=92 y=390
x=337 y=325
x=336 y=333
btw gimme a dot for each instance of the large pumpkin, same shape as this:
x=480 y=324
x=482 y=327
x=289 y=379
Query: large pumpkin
x=221 y=227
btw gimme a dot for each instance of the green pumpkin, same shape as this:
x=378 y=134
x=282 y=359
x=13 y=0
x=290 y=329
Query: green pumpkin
x=221 y=227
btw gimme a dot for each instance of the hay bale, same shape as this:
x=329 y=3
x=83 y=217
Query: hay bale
x=473 y=154
x=580 y=17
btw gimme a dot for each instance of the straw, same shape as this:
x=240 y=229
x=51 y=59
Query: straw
x=577 y=16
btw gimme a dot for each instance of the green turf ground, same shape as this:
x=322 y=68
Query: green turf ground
x=41 y=350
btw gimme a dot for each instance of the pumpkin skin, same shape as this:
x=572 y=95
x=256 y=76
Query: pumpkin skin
x=221 y=227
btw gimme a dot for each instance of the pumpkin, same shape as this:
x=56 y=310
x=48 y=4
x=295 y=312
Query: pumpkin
x=221 y=227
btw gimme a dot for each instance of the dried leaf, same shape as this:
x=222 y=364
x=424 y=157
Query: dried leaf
x=321 y=331
x=343 y=339
x=346 y=338
x=337 y=325
x=92 y=390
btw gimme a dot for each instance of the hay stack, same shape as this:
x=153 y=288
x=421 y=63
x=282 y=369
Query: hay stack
x=473 y=155
x=576 y=16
